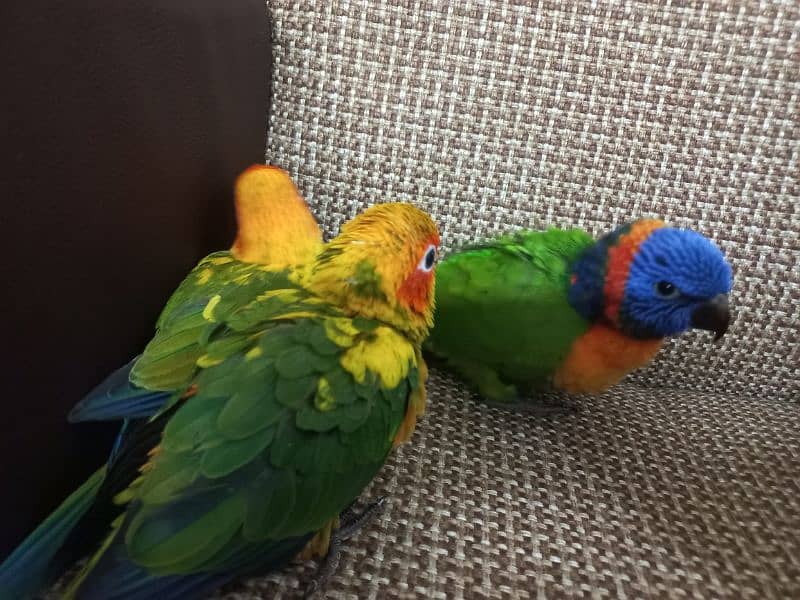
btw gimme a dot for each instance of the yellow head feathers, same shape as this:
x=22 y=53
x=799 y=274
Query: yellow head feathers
x=276 y=227
x=381 y=266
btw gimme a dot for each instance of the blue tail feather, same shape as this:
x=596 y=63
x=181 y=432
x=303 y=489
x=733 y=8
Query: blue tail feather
x=31 y=565
x=116 y=398
x=115 y=577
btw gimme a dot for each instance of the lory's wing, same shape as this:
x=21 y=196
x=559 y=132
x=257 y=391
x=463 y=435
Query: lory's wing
x=504 y=303
x=140 y=388
x=293 y=411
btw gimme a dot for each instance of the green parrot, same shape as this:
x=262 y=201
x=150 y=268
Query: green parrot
x=274 y=401
x=277 y=234
x=557 y=309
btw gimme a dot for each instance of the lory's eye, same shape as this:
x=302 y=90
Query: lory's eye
x=427 y=262
x=665 y=289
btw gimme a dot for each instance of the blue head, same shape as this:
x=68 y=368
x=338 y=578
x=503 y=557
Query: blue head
x=653 y=281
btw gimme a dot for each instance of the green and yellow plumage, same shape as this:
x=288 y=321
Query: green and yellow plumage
x=293 y=403
x=276 y=392
x=277 y=236
x=292 y=417
x=219 y=283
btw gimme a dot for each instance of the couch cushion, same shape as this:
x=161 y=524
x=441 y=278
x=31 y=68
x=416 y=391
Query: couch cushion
x=496 y=115
x=639 y=493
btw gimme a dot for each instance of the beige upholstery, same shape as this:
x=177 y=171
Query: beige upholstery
x=642 y=493
x=493 y=115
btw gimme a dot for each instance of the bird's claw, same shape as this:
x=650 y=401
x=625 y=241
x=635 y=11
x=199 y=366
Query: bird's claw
x=350 y=522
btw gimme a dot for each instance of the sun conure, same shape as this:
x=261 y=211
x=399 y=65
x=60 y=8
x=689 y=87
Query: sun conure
x=558 y=309
x=295 y=397
x=277 y=234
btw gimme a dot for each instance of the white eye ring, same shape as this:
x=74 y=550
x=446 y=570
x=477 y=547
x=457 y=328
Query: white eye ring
x=428 y=260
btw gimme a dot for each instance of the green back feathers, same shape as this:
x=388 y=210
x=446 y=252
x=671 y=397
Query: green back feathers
x=512 y=288
x=168 y=361
x=276 y=440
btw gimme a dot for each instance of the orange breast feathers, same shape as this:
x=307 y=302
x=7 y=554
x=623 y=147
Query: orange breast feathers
x=276 y=228
x=600 y=358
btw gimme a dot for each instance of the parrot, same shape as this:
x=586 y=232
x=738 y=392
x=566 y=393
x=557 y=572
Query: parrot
x=276 y=235
x=532 y=311
x=280 y=408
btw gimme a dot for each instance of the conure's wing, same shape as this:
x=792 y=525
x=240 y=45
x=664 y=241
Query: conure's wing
x=277 y=233
x=503 y=305
x=140 y=388
x=35 y=561
x=219 y=283
x=293 y=411
x=116 y=398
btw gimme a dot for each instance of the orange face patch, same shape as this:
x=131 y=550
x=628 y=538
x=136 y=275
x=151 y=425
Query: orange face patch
x=417 y=289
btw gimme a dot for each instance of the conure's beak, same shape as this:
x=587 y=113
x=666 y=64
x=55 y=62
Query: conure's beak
x=713 y=315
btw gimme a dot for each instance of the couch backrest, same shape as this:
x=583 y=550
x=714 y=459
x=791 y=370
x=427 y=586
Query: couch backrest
x=495 y=115
x=124 y=125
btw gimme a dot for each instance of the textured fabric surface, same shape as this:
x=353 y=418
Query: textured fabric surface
x=496 y=114
x=641 y=493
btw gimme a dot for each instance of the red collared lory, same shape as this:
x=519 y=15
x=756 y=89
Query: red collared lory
x=293 y=393
x=557 y=308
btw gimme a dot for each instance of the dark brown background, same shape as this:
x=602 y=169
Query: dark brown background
x=124 y=125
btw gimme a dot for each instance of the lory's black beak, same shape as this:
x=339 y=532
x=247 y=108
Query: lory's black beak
x=713 y=315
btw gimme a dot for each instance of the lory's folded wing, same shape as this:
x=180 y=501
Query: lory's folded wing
x=286 y=425
x=511 y=288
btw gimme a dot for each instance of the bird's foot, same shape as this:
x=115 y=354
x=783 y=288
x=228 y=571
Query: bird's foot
x=350 y=522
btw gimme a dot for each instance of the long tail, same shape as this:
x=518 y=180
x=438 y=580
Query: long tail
x=117 y=398
x=111 y=575
x=32 y=564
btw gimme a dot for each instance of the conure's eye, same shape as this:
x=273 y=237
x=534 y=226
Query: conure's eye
x=665 y=289
x=427 y=262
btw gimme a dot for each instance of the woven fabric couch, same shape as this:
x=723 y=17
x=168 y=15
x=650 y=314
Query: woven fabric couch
x=495 y=115
x=684 y=481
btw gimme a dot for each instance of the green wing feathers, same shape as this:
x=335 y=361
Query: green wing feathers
x=168 y=361
x=273 y=439
x=512 y=288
